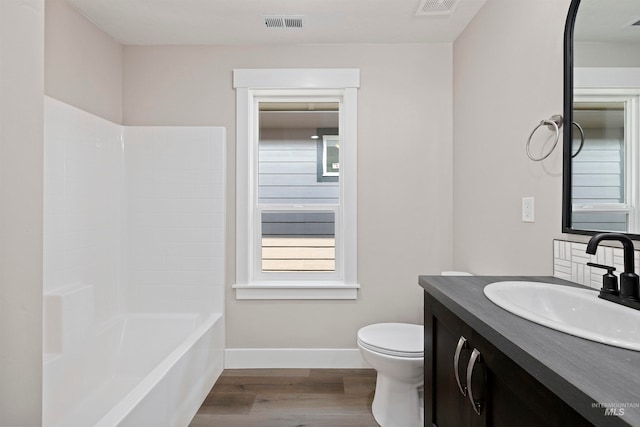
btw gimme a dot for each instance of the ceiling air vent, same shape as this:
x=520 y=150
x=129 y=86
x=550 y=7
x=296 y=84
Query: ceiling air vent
x=284 y=21
x=436 y=7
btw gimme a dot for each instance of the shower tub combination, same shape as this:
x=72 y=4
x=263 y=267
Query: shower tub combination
x=136 y=370
x=133 y=295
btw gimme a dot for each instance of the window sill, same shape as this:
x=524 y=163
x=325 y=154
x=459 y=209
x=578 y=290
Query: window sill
x=298 y=291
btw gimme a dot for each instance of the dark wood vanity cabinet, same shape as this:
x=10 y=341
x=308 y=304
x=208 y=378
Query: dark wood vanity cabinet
x=506 y=394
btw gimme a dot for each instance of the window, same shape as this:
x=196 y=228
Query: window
x=296 y=184
x=330 y=155
x=327 y=134
x=297 y=212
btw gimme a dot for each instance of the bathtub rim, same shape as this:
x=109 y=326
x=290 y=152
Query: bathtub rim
x=128 y=403
x=203 y=323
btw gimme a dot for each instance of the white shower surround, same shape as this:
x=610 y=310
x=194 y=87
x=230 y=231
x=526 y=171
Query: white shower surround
x=134 y=241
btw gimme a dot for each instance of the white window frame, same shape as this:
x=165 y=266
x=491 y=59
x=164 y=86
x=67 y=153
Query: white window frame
x=252 y=85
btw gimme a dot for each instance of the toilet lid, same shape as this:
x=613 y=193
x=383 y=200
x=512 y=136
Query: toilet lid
x=396 y=339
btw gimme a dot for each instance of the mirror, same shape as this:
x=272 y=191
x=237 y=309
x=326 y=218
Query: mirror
x=601 y=156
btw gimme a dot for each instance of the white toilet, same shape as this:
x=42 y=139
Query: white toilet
x=396 y=352
x=455 y=273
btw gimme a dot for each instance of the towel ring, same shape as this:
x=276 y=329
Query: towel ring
x=554 y=123
x=581 y=139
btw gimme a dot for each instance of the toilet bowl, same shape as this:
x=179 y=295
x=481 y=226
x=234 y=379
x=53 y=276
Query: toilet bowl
x=396 y=352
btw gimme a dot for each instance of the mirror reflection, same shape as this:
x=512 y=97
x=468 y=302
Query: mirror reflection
x=604 y=184
x=599 y=185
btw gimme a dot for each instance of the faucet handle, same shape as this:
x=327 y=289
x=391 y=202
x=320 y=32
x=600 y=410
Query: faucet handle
x=609 y=280
x=606 y=267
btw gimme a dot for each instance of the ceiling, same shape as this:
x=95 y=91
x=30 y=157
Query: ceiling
x=201 y=22
x=607 y=21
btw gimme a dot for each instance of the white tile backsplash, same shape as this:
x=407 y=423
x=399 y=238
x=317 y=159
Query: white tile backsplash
x=570 y=262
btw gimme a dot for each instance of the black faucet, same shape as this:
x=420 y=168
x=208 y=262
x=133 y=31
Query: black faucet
x=629 y=293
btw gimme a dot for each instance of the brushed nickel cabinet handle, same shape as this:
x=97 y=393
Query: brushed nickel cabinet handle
x=475 y=357
x=462 y=343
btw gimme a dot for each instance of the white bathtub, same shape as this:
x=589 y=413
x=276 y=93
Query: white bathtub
x=139 y=370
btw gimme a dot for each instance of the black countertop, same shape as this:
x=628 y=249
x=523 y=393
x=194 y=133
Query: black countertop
x=585 y=374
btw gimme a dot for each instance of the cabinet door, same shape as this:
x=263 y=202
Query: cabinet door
x=447 y=405
x=517 y=398
x=510 y=396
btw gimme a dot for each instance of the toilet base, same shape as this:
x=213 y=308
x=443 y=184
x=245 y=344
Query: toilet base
x=396 y=404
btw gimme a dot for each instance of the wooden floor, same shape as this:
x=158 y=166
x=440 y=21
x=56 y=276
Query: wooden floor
x=290 y=398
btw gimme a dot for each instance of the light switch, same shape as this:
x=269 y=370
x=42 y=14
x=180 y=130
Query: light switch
x=528 y=209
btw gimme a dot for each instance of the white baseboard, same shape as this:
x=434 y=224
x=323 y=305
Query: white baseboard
x=326 y=358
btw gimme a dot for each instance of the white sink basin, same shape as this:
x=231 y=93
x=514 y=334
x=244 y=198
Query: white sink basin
x=575 y=311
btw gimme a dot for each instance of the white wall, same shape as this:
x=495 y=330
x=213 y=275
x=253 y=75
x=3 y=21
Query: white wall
x=83 y=65
x=21 y=176
x=404 y=172
x=599 y=54
x=508 y=75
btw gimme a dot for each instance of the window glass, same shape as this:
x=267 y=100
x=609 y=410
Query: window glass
x=297 y=211
x=298 y=241
x=331 y=155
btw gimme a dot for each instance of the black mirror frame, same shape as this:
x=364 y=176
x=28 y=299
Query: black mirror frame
x=567 y=135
